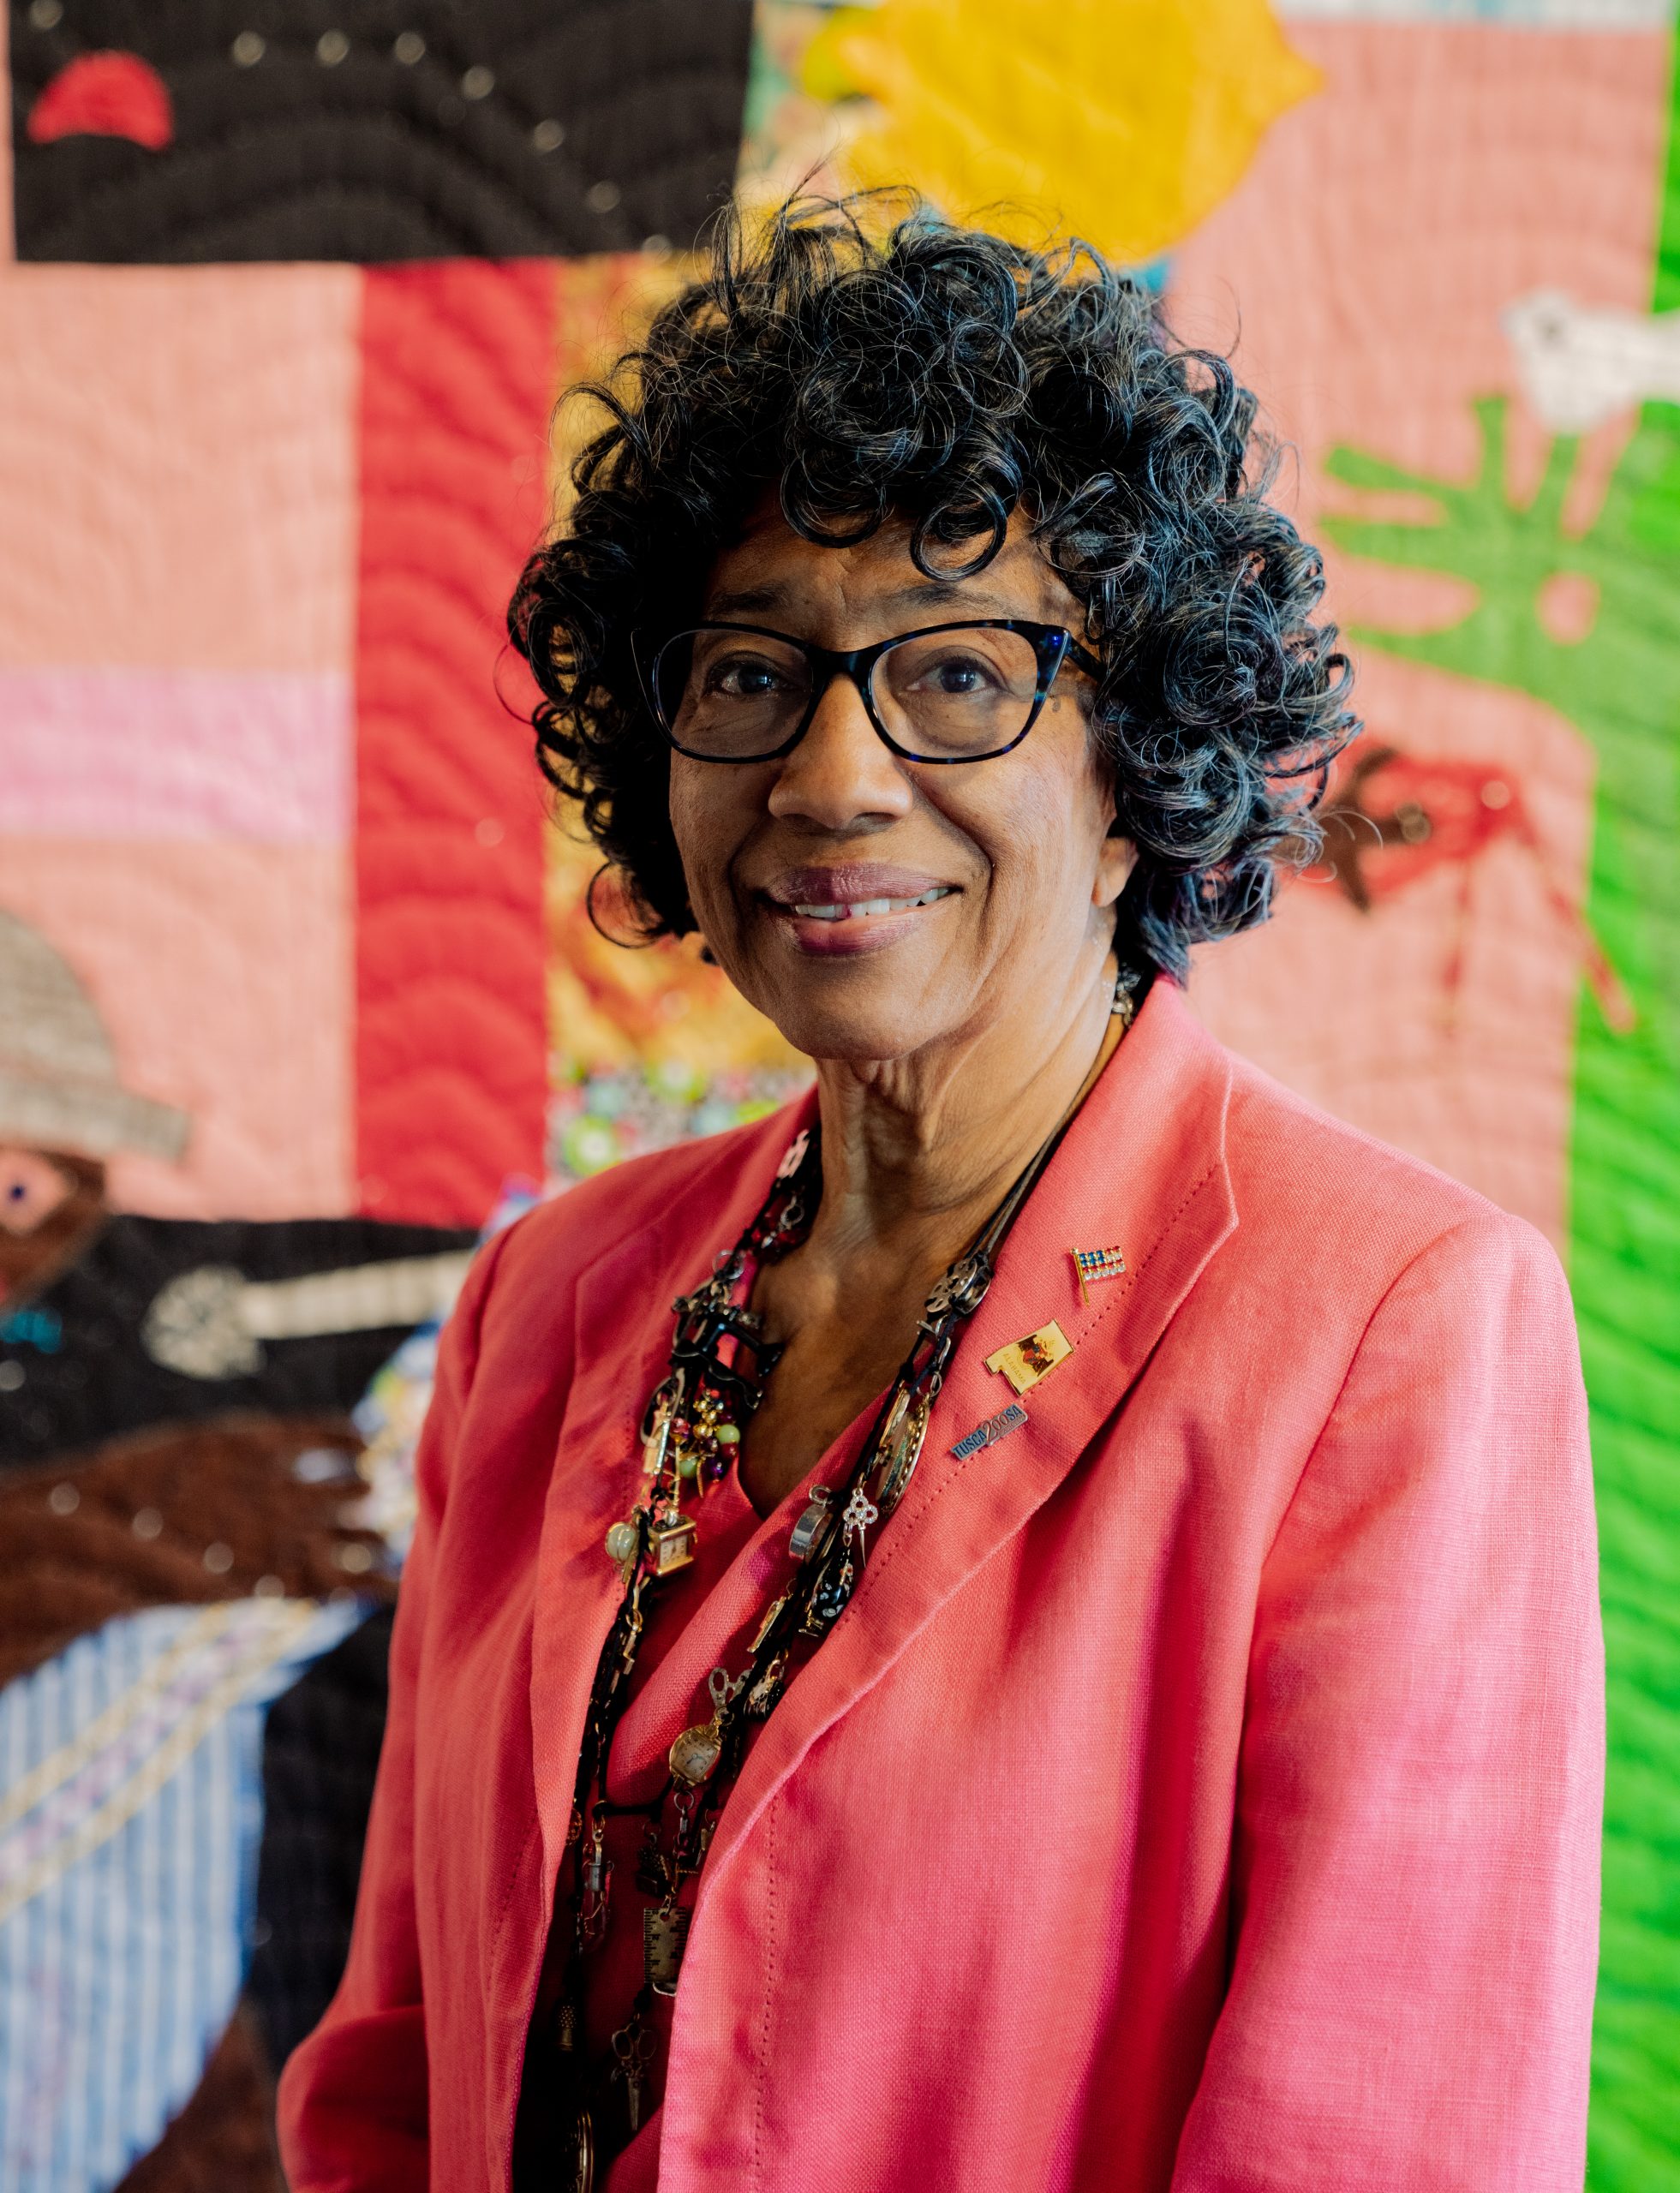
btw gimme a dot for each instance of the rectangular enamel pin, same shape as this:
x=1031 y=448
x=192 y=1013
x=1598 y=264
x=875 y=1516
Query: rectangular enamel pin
x=1025 y=1362
x=989 y=1433
x=1095 y=1264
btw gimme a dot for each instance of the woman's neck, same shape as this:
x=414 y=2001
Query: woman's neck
x=918 y=1153
x=916 y=1158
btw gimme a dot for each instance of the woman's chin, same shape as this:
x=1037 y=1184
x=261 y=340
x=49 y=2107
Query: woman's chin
x=859 y=1032
x=881 y=1001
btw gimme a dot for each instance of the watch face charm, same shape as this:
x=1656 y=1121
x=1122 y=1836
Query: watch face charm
x=696 y=1752
x=672 y=1544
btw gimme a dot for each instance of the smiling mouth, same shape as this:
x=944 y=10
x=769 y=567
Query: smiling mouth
x=859 y=910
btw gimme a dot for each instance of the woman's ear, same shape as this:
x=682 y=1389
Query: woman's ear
x=1116 y=861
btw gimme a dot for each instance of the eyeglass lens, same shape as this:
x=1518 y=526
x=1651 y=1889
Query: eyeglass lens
x=734 y=696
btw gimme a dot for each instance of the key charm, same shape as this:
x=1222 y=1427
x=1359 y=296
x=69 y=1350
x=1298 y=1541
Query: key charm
x=860 y=1512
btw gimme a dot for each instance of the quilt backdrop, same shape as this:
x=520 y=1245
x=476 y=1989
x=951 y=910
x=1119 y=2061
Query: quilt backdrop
x=297 y=992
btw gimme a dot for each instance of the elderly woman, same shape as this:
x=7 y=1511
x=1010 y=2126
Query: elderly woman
x=1068 y=1658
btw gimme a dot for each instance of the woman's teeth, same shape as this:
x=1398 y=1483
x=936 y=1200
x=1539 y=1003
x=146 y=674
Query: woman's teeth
x=859 y=908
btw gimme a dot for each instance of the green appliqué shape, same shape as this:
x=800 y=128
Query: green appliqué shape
x=1621 y=685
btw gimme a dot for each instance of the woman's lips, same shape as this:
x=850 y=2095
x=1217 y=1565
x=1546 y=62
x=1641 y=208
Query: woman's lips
x=860 y=909
x=854 y=907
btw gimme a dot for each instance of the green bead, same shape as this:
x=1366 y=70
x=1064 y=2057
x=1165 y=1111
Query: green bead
x=687 y=1463
x=728 y=1435
x=622 y=1541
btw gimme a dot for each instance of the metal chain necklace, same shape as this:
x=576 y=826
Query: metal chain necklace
x=718 y=1364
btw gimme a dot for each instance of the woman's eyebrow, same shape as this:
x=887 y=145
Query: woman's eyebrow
x=748 y=600
x=943 y=593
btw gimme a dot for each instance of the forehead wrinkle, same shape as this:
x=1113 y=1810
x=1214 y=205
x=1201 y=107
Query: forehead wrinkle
x=751 y=600
x=927 y=594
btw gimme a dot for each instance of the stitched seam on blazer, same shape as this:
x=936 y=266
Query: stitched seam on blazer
x=772 y=1954
x=1126 y=1294
x=1377 y=1309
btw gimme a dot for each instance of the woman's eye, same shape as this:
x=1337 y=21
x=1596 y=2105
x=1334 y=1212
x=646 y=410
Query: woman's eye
x=743 y=678
x=959 y=674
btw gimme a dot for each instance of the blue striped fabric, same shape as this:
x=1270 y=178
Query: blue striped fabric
x=130 y=1809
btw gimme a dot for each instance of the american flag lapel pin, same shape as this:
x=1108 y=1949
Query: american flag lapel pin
x=1094 y=1265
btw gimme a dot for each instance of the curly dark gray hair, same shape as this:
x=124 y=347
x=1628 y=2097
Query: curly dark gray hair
x=943 y=375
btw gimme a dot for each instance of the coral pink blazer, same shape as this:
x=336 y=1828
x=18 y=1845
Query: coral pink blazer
x=1202 y=1790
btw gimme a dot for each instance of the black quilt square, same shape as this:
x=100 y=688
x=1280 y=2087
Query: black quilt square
x=371 y=129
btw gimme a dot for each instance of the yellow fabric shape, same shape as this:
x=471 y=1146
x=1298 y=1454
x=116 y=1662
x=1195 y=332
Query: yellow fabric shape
x=610 y=1010
x=1126 y=121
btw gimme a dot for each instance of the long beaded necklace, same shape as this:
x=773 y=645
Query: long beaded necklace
x=719 y=1362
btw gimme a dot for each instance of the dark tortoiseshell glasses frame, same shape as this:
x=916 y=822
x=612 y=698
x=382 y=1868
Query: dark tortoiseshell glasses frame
x=1053 y=645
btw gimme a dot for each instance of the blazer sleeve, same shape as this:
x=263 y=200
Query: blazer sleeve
x=1421 y=1786
x=353 y=2097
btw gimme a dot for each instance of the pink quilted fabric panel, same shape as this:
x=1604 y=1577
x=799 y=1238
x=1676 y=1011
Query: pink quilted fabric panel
x=459 y=370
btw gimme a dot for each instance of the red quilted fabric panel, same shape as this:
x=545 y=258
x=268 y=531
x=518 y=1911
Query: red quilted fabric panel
x=459 y=370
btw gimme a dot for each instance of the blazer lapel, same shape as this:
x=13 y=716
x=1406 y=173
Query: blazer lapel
x=1142 y=1169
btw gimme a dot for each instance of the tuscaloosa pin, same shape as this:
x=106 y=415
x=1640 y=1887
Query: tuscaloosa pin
x=989 y=1433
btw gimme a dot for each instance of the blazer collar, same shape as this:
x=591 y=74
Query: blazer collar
x=1142 y=1169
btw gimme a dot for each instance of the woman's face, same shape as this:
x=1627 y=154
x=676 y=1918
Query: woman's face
x=1012 y=859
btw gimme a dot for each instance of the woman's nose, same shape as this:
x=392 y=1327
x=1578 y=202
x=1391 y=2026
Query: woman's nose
x=842 y=770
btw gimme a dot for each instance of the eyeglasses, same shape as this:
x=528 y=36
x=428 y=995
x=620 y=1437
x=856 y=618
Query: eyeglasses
x=946 y=693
